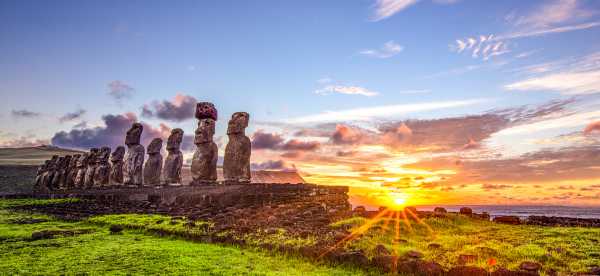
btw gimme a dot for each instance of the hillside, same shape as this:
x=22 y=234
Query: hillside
x=31 y=155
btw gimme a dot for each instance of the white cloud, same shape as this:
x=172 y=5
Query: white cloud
x=389 y=49
x=565 y=83
x=370 y=113
x=386 y=8
x=484 y=46
x=545 y=31
x=568 y=76
x=553 y=13
x=349 y=90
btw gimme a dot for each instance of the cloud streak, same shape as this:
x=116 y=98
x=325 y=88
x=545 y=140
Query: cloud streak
x=386 y=8
x=389 y=49
x=347 y=90
x=370 y=113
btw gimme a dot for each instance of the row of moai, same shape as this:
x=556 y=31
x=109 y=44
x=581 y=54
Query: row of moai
x=101 y=168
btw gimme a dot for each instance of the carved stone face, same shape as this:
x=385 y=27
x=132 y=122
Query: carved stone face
x=118 y=154
x=206 y=110
x=104 y=154
x=83 y=160
x=238 y=122
x=205 y=131
x=155 y=146
x=134 y=134
x=174 y=141
x=66 y=161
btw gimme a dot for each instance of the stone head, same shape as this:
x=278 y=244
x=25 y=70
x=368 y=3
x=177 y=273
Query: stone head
x=205 y=131
x=206 y=110
x=52 y=162
x=60 y=163
x=74 y=160
x=238 y=122
x=118 y=154
x=174 y=141
x=155 y=146
x=134 y=134
x=83 y=160
x=93 y=155
x=66 y=161
x=104 y=154
x=46 y=164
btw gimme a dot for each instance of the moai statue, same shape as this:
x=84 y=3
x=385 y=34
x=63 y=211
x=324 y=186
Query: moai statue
x=153 y=166
x=134 y=159
x=72 y=172
x=204 y=162
x=88 y=181
x=236 y=166
x=174 y=161
x=102 y=173
x=49 y=174
x=82 y=163
x=116 y=173
x=39 y=176
x=58 y=182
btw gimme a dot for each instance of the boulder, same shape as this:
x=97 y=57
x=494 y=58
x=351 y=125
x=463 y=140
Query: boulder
x=466 y=211
x=467 y=271
x=514 y=220
x=530 y=266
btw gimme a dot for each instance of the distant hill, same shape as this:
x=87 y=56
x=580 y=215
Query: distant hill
x=32 y=155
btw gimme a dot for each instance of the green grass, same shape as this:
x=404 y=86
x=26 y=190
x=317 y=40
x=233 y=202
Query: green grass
x=134 y=251
x=564 y=249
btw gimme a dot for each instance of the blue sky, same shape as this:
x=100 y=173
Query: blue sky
x=295 y=63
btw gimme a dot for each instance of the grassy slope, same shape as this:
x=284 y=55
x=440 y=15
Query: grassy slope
x=31 y=155
x=132 y=252
x=560 y=248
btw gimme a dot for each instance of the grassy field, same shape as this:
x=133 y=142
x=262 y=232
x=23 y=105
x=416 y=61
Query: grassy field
x=138 y=250
x=93 y=250
x=562 y=249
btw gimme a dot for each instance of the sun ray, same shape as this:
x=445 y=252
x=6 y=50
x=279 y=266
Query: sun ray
x=406 y=221
x=420 y=221
x=357 y=232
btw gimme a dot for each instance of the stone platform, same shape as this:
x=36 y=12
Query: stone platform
x=215 y=196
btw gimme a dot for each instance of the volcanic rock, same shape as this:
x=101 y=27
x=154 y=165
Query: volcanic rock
x=236 y=164
x=134 y=159
x=116 y=160
x=466 y=211
x=514 y=220
x=174 y=160
x=204 y=161
x=153 y=166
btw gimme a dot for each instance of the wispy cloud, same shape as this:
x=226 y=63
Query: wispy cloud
x=484 y=46
x=349 y=90
x=386 y=8
x=119 y=90
x=545 y=31
x=370 y=113
x=389 y=49
x=553 y=13
x=72 y=116
x=565 y=83
x=24 y=113
x=567 y=76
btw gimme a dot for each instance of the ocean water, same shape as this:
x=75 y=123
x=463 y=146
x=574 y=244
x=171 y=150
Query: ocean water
x=525 y=211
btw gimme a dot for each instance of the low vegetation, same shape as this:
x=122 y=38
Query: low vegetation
x=493 y=245
x=88 y=247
